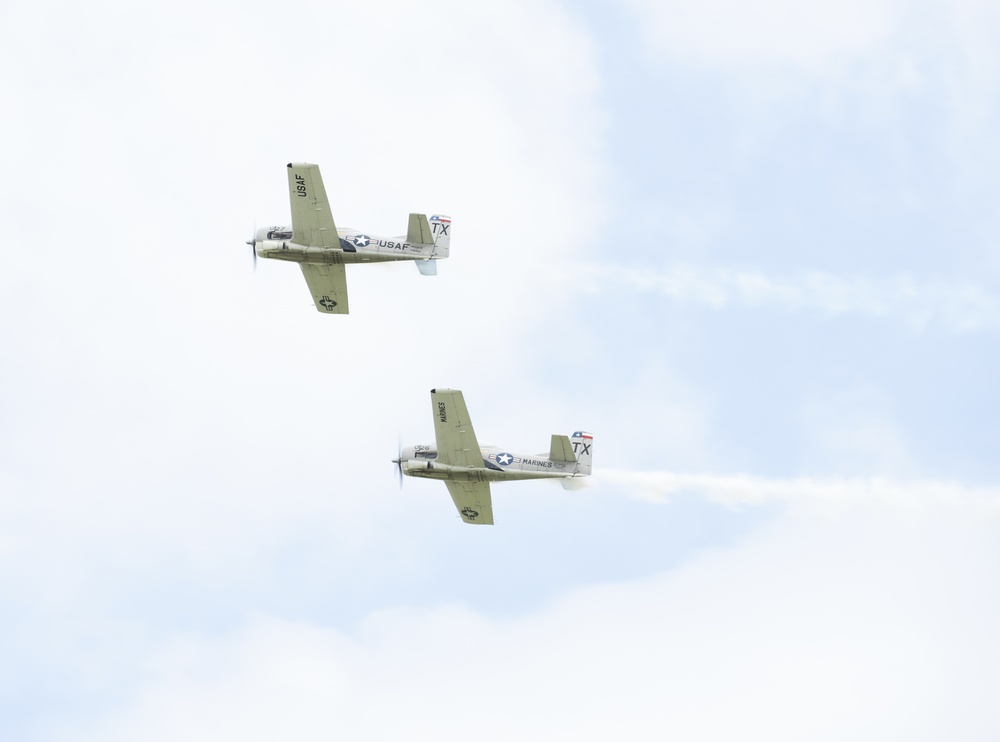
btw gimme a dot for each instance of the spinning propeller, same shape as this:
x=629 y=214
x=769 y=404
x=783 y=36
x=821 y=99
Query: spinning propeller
x=253 y=247
x=398 y=461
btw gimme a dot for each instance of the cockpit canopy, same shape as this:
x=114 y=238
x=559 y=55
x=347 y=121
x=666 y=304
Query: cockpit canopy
x=279 y=233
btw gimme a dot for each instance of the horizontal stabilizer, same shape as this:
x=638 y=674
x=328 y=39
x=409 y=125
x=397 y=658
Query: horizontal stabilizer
x=561 y=449
x=419 y=230
x=427 y=267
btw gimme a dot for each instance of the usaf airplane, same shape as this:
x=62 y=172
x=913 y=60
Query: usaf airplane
x=468 y=468
x=321 y=250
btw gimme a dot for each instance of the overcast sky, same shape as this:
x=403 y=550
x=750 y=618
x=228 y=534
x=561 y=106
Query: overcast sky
x=752 y=247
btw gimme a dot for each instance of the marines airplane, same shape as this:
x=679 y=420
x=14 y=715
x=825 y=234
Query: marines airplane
x=468 y=468
x=321 y=250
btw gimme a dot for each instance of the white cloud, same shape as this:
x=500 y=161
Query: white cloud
x=817 y=36
x=171 y=425
x=853 y=429
x=161 y=403
x=167 y=421
x=867 y=627
x=943 y=56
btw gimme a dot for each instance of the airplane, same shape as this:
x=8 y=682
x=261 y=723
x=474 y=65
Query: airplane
x=468 y=468
x=321 y=250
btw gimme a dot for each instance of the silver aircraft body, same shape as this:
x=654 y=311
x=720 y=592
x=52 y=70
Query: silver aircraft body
x=468 y=468
x=321 y=250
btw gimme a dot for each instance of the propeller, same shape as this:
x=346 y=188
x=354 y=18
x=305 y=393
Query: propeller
x=253 y=247
x=398 y=461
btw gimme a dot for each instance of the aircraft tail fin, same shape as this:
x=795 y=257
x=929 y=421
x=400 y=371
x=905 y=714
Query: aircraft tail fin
x=583 y=447
x=441 y=230
x=418 y=231
x=561 y=449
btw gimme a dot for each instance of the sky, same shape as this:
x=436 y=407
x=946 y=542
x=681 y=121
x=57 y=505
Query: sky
x=751 y=247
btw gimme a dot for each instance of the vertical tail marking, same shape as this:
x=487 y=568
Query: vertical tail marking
x=583 y=447
x=441 y=229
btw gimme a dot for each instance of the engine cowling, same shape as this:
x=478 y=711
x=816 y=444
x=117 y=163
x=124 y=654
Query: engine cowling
x=411 y=465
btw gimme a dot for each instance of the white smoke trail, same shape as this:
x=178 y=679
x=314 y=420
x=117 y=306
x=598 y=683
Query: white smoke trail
x=818 y=494
x=957 y=307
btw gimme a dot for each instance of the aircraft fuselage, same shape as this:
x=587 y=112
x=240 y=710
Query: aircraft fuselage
x=276 y=243
x=498 y=466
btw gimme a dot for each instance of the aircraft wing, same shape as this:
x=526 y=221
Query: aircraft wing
x=472 y=500
x=456 y=440
x=312 y=220
x=328 y=286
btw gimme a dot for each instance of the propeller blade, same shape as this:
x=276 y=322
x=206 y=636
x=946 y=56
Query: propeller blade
x=398 y=461
x=253 y=246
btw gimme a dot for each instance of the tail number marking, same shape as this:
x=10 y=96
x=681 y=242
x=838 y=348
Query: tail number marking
x=586 y=447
